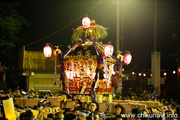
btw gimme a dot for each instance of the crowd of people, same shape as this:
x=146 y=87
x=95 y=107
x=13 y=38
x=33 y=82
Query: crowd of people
x=168 y=108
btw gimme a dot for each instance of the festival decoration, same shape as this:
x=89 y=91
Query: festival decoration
x=127 y=58
x=57 y=50
x=86 y=22
x=105 y=67
x=86 y=69
x=108 y=50
x=70 y=74
x=94 y=30
x=47 y=51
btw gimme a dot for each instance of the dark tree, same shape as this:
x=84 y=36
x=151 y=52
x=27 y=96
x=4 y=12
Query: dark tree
x=11 y=23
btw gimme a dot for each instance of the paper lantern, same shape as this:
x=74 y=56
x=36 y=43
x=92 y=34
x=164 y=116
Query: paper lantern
x=9 y=109
x=86 y=22
x=108 y=50
x=47 y=51
x=127 y=58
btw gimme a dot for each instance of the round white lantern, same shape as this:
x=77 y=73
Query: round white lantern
x=47 y=51
x=108 y=51
x=86 y=22
x=127 y=58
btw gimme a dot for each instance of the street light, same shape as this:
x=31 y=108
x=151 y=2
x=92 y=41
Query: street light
x=144 y=74
x=165 y=74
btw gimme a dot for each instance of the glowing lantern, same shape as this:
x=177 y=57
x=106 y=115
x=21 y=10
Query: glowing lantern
x=86 y=22
x=108 y=50
x=47 y=51
x=127 y=58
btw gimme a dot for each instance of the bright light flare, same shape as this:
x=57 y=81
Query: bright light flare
x=144 y=74
x=165 y=74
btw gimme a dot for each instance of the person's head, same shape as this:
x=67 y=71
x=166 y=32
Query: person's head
x=56 y=119
x=118 y=117
x=59 y=115
x=136 y=111
x=168 y=114
x=22 y=116
x=82 y=116
x=66 y=110
x=173 y=105
x=94 y=106
x=35 y=107
x=84 y=110
x=178 y=109
x=28 y=115
x=69 y=116
x=50 y=115
x=76 y=110
x=118 y=109
x=78 y=104
x=46 y=103
x=96 y=116
x=28 y=107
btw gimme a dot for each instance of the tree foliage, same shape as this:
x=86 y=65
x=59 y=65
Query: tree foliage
x=11 y=23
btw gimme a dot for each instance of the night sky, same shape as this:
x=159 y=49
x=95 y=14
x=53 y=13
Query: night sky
x=58 y=18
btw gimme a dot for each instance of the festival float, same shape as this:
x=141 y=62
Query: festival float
x=83 y=73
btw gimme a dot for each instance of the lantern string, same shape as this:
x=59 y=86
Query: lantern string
x=66 y=25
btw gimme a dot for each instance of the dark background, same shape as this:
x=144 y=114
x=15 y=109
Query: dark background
x=60 y=17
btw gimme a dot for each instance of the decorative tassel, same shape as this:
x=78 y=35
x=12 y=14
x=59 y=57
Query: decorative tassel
x=55 y=71
x=105 y=66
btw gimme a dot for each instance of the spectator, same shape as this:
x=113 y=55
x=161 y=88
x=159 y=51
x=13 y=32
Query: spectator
x=28 y=115
x=96 y=116
x=118 y=110
x=50 y=115
x=69 y=116
x=118 y=117
x=135 y=111
x=76 y=111
x=82 y=116
x=59 y=115
x=78 y=104
x=93 y=106
x=22 y=115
